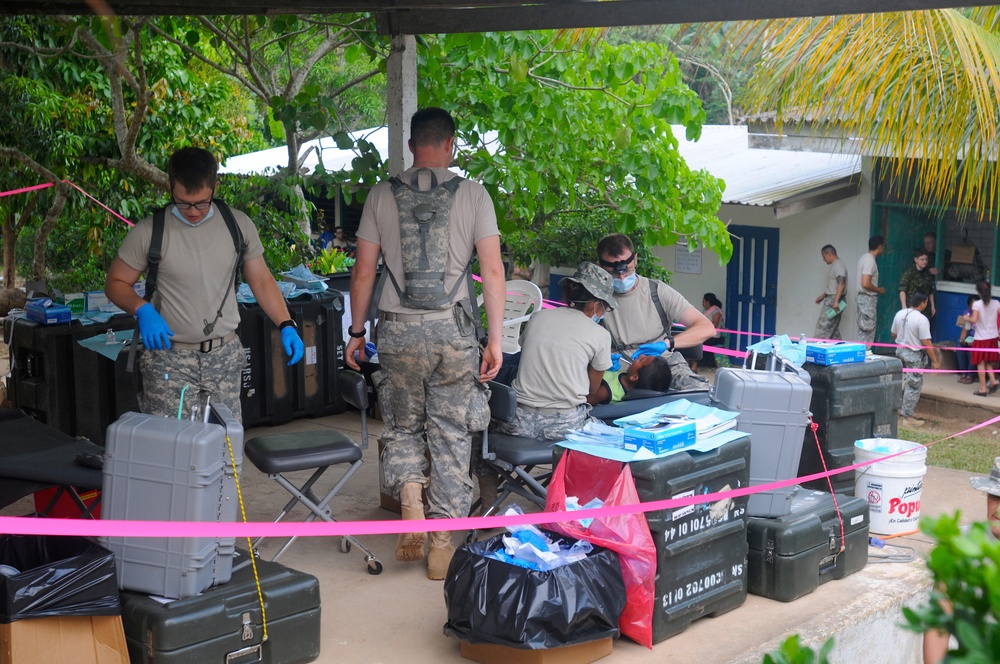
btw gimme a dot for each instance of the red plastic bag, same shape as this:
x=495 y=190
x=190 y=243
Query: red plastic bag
x=588 y=477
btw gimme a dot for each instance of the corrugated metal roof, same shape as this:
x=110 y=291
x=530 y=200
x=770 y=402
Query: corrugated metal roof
x=761 y=177
x=752 y=176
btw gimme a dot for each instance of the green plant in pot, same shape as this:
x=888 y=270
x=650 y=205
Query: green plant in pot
x=332 y=261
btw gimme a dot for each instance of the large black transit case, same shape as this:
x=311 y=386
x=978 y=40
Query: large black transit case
x=849 y=402
x=272 y=392
x=791 y=555
x=224 y=625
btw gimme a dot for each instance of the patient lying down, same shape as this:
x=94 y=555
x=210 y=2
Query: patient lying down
x=647 y=372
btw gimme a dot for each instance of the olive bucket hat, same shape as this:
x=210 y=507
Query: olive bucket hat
x=991 y=484
x=598 y=283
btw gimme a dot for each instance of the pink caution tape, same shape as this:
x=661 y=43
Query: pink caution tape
x=117 y=528
x=46 y=185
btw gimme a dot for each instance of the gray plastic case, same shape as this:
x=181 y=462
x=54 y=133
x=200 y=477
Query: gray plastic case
x=774 y=410
x=163 y=469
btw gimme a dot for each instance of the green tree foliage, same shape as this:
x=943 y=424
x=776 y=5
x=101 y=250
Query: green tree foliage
x=574 y=136
x=99 y=103
x=966 y=574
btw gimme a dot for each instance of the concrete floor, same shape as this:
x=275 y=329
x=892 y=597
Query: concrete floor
x=398 y=616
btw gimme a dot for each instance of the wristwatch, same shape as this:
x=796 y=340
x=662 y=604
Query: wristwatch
x=356 y=335
x=670 y=344
x=288 y=323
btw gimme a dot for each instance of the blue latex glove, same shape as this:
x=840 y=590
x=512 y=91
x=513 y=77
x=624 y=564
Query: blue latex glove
x=654 y=348
x=616 y=364
x=293 y=344
x=154 y=330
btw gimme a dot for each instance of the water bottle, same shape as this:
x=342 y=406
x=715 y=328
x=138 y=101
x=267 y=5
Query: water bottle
x=109 y=338
x=371 y=353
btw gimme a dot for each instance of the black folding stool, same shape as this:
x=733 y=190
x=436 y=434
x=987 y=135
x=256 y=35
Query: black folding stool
x=514 y=458
x=280 y=453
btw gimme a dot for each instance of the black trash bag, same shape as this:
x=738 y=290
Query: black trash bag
x=58 y=576
x=490 y=601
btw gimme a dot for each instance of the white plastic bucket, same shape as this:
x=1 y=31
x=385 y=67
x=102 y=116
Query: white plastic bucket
x=891 y=487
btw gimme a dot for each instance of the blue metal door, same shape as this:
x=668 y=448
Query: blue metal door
x=752 y=284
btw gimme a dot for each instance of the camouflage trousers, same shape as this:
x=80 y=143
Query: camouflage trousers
x=683 y=377
x=546 y=423
x=431 y=398
x=867 y=307
x=912 y=382
x=216 y=374
x=827 y=328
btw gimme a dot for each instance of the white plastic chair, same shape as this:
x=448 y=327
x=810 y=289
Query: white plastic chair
x=521 y=296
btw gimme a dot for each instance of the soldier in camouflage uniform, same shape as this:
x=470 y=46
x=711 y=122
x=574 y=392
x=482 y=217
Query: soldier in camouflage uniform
x=868 y=289
x=912 y=331
x=188 y=328
x=431 y=380
x=918 y=277
x=827 y=326
x=564 y=355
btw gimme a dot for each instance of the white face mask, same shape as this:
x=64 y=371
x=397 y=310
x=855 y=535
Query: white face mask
x=626 y=284
x=192 y=224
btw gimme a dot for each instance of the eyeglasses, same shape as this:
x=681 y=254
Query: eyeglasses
x=201 y=206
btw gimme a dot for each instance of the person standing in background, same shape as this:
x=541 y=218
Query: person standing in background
x=918 y=278
x=963 y=358
x=712 y=308
x=868 y=289
x=831 y=302
x=984 y=342
x=912 y=331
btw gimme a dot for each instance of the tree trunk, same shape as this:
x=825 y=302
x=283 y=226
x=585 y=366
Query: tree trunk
x=9 y=253
x=41 y=238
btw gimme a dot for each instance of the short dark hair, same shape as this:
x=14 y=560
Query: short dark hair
x=576 y=294
x=193 y=168
x=655 y=376
x=875 y=241
x=918 y=252
x=969 y=300
x=431 y=126
x=828 y=249
x=614 y=244
x=917 y=298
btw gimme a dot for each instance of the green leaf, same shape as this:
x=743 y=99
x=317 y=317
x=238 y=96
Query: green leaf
x=192 y=38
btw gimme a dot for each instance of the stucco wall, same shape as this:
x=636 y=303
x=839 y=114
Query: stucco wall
x=801 y=270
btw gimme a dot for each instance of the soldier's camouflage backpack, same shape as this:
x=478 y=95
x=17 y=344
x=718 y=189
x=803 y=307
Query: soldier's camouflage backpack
x=424 y=218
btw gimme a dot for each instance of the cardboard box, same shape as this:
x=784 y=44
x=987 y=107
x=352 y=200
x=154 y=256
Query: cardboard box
x=77 y=302
x=829 y=354
x=77 y=639
x=47 y=312
x=661 y=437
x=963 y=254
x=94 y=300
x=581 y=653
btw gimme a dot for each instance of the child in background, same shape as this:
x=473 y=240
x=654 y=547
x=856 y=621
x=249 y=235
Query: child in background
x=985 y=312
x=965 y=337
x=647 y=372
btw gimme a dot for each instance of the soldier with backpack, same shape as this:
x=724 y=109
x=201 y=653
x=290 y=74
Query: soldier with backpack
x=427 y=224
x=192 y=252
x=647 y=310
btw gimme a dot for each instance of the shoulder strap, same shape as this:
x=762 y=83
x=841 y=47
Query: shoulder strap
x=155 y=252
x=654 y=295
x=239 y=243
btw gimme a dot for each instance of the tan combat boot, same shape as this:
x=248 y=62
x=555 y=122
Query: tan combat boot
x=439 y=553
x=410 y=546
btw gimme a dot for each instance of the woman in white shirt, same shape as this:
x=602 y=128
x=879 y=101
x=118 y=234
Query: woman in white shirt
x=984 y=343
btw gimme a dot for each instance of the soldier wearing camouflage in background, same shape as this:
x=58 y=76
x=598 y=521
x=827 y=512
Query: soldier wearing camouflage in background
x=430 y=386
x=833 y=298
x=868 y=289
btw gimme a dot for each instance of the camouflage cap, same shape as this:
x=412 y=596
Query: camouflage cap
x=991 y=484
x=598 y=283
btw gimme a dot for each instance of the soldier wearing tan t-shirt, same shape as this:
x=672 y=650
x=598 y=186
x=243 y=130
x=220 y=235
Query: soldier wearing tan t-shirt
x=636 y=326
x=430 y=382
